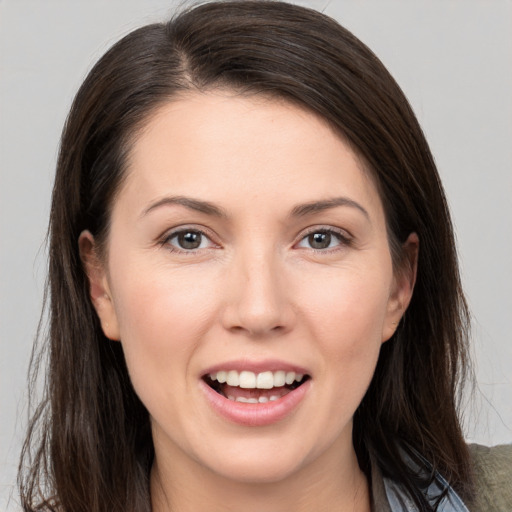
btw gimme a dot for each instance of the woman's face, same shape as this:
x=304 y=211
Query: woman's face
x=247 y=243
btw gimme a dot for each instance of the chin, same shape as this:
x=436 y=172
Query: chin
x=257 y=461
x=259 y=471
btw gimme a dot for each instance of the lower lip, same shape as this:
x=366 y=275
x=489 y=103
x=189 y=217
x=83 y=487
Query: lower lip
x=256 y=415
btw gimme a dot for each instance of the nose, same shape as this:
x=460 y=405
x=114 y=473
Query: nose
x=258 y=302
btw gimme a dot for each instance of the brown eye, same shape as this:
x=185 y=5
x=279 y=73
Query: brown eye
x=188 y=240
x=323 y=239
x=320 y=240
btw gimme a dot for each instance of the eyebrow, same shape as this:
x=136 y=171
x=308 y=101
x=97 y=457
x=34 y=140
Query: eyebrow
x=188 y=202
x=300 y=210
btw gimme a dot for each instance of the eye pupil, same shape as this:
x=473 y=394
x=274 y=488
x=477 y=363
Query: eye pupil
x=189 y=240
x=319 y=240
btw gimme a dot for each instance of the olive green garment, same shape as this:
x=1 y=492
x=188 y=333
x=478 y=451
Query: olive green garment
x=493 y=478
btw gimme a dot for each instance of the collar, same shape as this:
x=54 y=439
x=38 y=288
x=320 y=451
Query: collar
x=390 y=496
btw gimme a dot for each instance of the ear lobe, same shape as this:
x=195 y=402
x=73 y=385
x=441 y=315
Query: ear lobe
x=403 y=286
x=99 y=289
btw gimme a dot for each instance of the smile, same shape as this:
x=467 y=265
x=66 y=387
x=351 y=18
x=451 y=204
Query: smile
x=252 y=388
x=255 y=398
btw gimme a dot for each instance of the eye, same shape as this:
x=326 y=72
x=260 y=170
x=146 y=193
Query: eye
x=188 y=240
x=321 y=239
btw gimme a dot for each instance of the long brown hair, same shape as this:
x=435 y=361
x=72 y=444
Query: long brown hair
x=89 y=445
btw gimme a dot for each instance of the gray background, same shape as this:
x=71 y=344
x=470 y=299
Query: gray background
x=452 y=58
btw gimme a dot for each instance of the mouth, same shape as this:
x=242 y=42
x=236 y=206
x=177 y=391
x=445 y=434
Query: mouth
x=253 y=388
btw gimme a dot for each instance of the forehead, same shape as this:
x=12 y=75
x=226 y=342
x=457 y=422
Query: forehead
x=223 y=146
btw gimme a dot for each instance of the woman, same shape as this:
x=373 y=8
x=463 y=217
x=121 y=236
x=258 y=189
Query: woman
x=254 y=293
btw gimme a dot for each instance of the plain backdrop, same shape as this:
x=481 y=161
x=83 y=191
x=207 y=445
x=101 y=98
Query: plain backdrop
x=452 y=58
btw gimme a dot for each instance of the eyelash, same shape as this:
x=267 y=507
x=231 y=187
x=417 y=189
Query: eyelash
x=343 y=238
x=166 y=240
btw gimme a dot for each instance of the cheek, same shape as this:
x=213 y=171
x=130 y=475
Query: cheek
x=160 y=300
x=162 y=317
x=346 y=318
x=348 y=307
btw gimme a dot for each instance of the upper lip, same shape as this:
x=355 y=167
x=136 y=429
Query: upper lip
x=256 y=366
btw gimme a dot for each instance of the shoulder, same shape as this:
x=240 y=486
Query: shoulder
x=492 y=467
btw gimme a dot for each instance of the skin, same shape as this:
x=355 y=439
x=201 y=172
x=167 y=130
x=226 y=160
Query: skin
x=255 y=289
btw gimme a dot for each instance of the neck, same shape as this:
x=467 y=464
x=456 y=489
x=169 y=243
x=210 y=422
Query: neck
x=327 y=484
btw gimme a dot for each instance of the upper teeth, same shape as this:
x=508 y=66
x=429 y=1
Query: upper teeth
x=250 y=380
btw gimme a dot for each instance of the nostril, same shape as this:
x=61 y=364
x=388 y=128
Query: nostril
x=257 y=330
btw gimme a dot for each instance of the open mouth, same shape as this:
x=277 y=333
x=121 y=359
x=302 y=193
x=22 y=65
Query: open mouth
x=253 y=388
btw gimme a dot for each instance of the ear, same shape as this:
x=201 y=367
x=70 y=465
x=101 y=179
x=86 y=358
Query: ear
x=402 y=287
x=99 y=289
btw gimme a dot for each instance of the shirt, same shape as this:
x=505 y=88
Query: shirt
x=493 y=485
